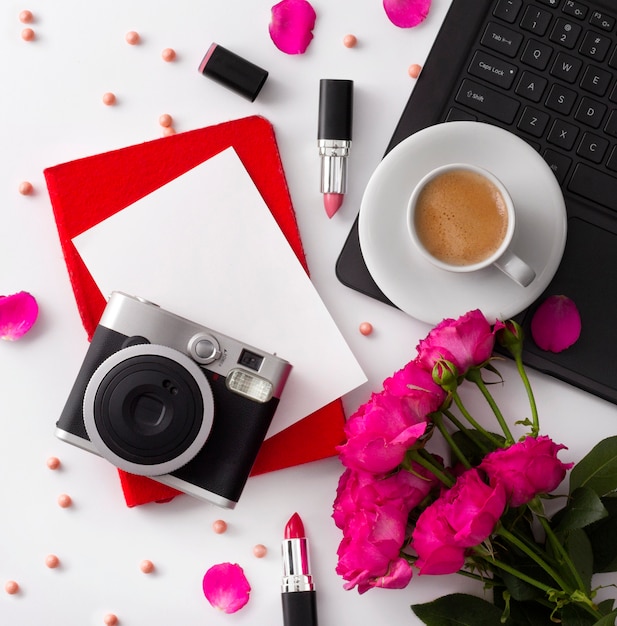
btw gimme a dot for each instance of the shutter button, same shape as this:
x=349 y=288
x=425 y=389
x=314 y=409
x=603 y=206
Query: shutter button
x=204 y=348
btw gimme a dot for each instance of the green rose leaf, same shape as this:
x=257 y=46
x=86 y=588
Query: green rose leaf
x=581 y=555
x=607 y=620
x=584 y=507
x=459 y=609
x=598 y=469
x=604 y=539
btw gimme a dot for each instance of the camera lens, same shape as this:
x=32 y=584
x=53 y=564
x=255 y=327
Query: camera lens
x=148 y=409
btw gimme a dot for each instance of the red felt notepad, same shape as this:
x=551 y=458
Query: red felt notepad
x=86 y=191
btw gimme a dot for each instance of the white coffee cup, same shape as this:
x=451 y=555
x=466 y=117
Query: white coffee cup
x=461 y=218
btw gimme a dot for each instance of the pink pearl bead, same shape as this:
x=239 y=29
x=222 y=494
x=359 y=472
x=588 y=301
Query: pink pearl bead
x=147 y=567
x=414 y=70
x=52 y=561
x=219 y=526
x=349 y=41
x=65 y=501
x=165 y=120
x=260 y=551
x=168 y=130
x=366 y=328
x=109 y=98
x=110 y=619
x=11 y=587
x=53 y=463
x=25 y=17
x=27 y=34
x=168 y=54
x=25 y=188
x=132 y=38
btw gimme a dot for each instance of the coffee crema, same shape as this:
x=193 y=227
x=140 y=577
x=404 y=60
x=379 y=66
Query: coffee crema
x=461 y=217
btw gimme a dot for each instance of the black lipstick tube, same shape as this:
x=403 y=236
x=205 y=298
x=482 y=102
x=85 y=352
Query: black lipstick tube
x=334 y=132
x=298 y=591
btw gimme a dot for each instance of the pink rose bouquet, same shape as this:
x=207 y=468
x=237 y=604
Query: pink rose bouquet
x=404 y=510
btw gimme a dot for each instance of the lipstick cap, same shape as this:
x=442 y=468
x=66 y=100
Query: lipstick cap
x=335 y=109
x=232 y=71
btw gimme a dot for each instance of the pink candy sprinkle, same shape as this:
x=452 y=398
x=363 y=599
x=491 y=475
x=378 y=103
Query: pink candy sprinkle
x=291 y=26
x=52 y=561
x=25 y=17
x=110 y=619
x=147 y=567
x=350 y=41
x=27 y=34
x=165 y=120
x=109 y=98
x=219 y=526
x=260 y=551
x=53 y=463
x=168 y=54
x=11 y=587
x=366 y=328
x=132 y=38
x=25 y=188
x=414 y=70
x=65 y=501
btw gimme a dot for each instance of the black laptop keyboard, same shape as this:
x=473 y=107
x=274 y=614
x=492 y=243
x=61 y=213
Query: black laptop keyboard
x=547 y=71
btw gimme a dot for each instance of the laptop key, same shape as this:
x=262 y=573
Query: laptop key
x=507 y=10
x=533 y=122
x=566 y=32
x=594 y=185
x=559 y=164
x=563 y=134
x=566 y=67
x=492 y=69
x=502 y=39
x=487 y=101
x=536 y=20
x=601 y=20
x=593 y=147
x=577 y=9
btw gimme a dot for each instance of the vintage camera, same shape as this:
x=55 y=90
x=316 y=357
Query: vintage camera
x=161 y=396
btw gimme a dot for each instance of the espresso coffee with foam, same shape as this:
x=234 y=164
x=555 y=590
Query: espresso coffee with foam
x=461 y=218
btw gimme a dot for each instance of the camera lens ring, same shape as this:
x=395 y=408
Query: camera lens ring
x=196 y=380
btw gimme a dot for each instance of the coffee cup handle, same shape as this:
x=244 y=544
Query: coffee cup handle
x=515 y=268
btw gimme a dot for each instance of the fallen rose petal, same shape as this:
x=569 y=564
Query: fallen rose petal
x=18 y=313
x=226 y=587
x=556 y=324
x=406 y=13
x=291 y=25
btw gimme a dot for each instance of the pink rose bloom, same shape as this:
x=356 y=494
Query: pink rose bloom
x=369 y=554
x=358 y=491
x=381 y=431
x=466 y=342
x=463 y=517
x=414 y=381
x=526 y=469
x=373 y=512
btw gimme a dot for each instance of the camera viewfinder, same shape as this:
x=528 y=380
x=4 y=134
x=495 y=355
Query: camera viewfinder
x=251 y=360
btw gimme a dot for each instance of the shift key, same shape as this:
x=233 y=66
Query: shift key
x=487 y=101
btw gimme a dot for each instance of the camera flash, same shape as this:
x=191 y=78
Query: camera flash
x=250 y=386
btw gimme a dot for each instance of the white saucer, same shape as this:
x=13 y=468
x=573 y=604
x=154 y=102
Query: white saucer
x=411 y=282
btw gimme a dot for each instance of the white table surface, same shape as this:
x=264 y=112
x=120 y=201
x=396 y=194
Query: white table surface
x=52 y=112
